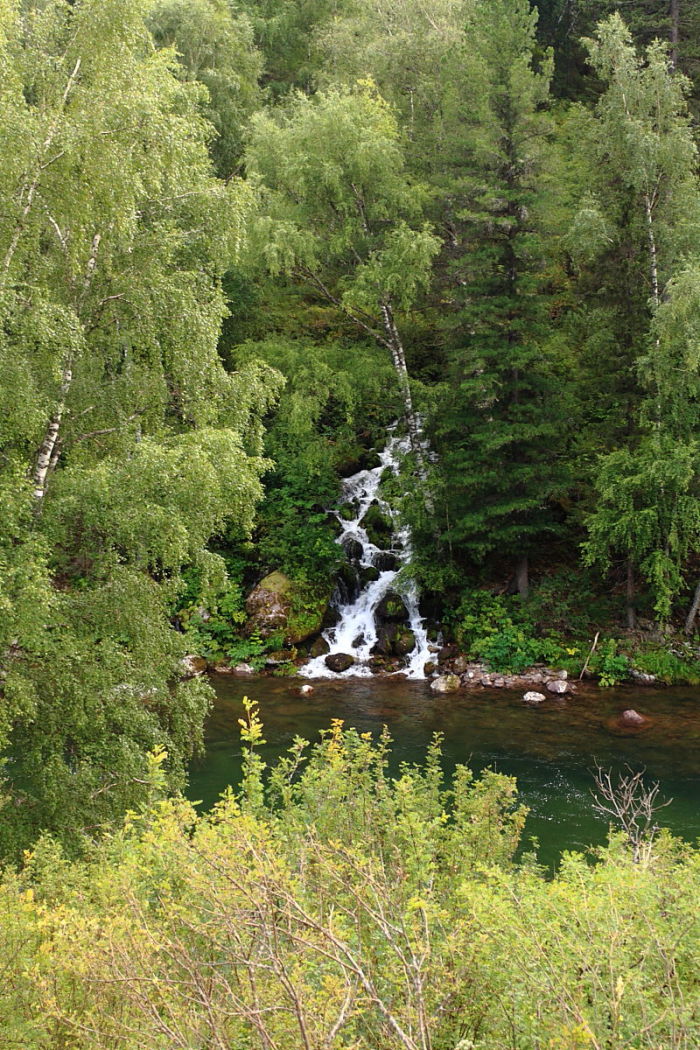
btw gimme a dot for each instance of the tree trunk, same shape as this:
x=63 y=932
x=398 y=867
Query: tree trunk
x=399 y=359
x=48 y=445
x=675 y=16
x=522 y=576
x=631 y=611
x=693 y=612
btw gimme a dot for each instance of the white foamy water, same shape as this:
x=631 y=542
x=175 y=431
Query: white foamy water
x=356 y=632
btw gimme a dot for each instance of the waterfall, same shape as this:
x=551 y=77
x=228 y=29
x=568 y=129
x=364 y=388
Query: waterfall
x=356 y=632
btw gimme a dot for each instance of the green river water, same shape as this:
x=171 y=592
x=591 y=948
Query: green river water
x=551 y=748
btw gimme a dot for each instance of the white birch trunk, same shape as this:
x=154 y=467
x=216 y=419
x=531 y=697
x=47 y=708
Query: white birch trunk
x=693 y=612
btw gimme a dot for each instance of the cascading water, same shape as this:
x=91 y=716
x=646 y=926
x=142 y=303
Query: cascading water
x=356 y=632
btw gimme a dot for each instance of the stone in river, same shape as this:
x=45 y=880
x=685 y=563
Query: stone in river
x=559 y=686
x=534 y=698
x=446 y=683
x=631 y=719
x=339 y=662
x=306 y=690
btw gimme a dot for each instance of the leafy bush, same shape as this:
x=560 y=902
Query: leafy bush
x=680 y=667
x=327 y=904
x=611 y=666
x=491 y=628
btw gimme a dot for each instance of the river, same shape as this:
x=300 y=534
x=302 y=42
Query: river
x=551 y=748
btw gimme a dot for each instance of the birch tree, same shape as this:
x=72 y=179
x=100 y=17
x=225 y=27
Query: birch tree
x=646 y=195
x=342 y=216
x=124 y=443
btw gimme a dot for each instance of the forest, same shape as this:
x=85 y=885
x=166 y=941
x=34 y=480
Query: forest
x=241 y=242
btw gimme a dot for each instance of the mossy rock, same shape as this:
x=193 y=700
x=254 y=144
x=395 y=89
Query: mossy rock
x=378 y=527
x=392 y=608
x=368 y=574
x=280 y=605
x=405 y=641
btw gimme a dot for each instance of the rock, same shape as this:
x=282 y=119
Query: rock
x=278 y=605
x=445 y=683
x=193 y=666
x=485 y=680
x=460 y=664
x=392 y=609
x=429 y=668
x=405 y=641
x=353 y=548
x=306 y=690
x=642 y=678
x=562 y=675
x=339 y=662
x=447 y=653
x=242 y=669
x=499 y=683
x=319 y=647
x=368 y=574
x=631 y=719
x=385 y=561
x=378 y=527
x=534 y=698
x=280 y=657
x=268 y=605
x=559 y=686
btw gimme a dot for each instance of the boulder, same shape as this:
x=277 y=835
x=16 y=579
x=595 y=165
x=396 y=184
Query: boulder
x=558 y=686
x=319 y=647
x=378 y=527
x=339 y=662
x=385 y=561
x=193 y=666
x=429 y=668
x=460 y=664
x=445 y=683
x=631 y=719
x=405 y=641
x=368 y=574
x=391 y=608
x=279 y=605
x=534 y=698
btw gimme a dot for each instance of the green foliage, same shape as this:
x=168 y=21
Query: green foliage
x=679 y=666
x=125 y=444
x=501 y=633
x=611 y=666
x=329 y=903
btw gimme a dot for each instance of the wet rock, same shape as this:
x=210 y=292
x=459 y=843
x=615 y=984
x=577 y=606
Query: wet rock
x=460 y=664
x=558 y=686
x=405 y=642
x=391 y=608
x=319 y=647
x=378 y=527
x=447 y=654
x=429 y=668
x=499 y=683
x=352 y=548
x=446 y=683
x=631 y=719
x=242 y=668
x=534 y=698
x=306 y=690
x=368 y=574
x=385 y=561
x=339 y=662
x=193 y=666
x=485 y=680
